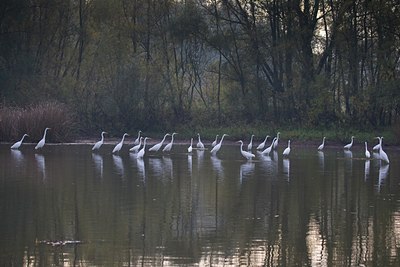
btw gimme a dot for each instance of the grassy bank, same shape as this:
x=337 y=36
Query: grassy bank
x=299 y=134
x=14 y=122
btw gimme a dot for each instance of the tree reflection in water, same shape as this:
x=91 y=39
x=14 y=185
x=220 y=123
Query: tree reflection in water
x=198 y=210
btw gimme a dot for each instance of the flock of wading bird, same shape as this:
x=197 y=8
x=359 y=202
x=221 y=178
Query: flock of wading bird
x=140 y=150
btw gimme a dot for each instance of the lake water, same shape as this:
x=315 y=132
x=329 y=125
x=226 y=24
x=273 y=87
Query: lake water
x=67 y=206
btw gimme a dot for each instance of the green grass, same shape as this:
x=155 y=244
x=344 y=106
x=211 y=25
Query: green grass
x=339 y=135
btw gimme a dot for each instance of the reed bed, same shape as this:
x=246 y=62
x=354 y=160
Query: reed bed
x=15 y=121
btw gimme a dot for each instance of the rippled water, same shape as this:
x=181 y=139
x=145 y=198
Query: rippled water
x=68 y=206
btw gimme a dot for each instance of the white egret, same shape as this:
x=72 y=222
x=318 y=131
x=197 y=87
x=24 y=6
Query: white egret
x=382 y=154
x=262 y=145
x=99 y=143
x=190 y=148
x=376 y=147
x=19 y=143
x=43 y=141
x=269 y=149
x=118 y=147
x=217 y=147
x=169 y=146
x=245 y=154
x=367 y=154
x=141 y=152
x=275 y=146
x=200 y=145
x=215 y=141
x=250 y=145
x=157 y=147
x=136 y=148
x=286 y=152
x=137 y=140
x=321 y=146
x=348 y=146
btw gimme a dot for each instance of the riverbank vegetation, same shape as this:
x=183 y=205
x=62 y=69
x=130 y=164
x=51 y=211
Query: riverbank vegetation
x=33 y=119
x=321 y=66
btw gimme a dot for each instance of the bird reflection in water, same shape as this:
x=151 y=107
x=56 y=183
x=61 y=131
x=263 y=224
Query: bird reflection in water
x=118 y=164
x=348 y=154
x=41 y=164
x=17 y=156
x=246 y=170
x=366 y=169
x=321 y=159
x=98 y=163
x=268 y=164
x=190 y=164
x=156 y=166
x=383 y=173
x=217 y=165
x=286 y=168
x=141 y=168
x=167 y=167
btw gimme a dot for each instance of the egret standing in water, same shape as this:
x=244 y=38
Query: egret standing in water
x=367 y=154
x=250 y=145
x=137 y=140
x=382 y=154
x=99 y=143
x=217 y=147
x=376 y=147
x=118 y=147
x=245 y=154
x=269 y=149
x=348 y=146
x=215 y=141
x=275 y=144
x=136 y=148
x=19 y=143
x=141 y=152
x=321 y=146
x=200 y=144
x=157 y=147
x=190 y=148
x=262 y=145
x=43 y=141
x=168 y=147
x=286 y=152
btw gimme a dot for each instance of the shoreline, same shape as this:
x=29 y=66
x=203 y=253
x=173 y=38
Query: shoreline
x=207 y=143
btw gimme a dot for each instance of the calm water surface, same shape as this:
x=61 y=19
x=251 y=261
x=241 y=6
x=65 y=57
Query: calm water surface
x=67 y=206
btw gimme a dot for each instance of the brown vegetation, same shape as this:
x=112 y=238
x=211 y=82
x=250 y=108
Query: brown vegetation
x=14 y=122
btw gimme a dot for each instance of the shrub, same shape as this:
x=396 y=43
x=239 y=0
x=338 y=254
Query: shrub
x=15 y=121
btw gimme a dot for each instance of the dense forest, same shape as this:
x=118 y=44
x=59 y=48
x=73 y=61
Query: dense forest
x=156 y=64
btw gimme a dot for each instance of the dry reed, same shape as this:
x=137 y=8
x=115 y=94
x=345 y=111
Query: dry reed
x=15 y=121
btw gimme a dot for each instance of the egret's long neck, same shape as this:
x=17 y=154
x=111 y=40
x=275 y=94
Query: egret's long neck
x=172 y=139
x=123 y=138
x=222 y=138
x=45 y=132
x=144 y=143
x=241 y=146
x=199 y=138
x=102 y=137
x=23 y=137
